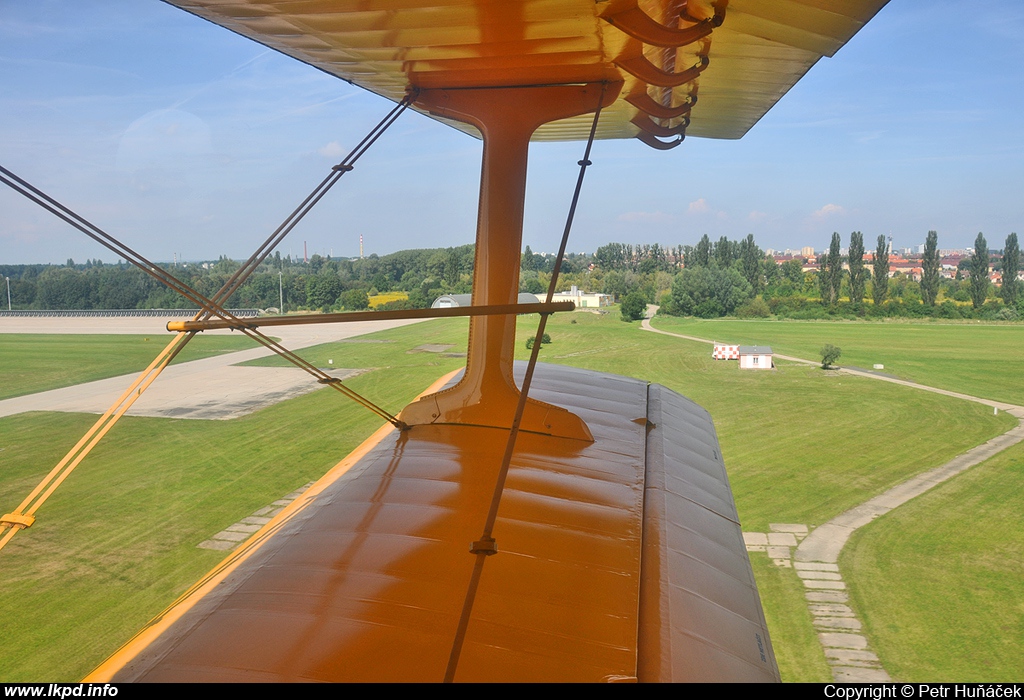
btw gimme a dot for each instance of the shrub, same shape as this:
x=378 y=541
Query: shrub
x=633 y=307
x=755 y=308
x=544 y=340
x=829 y=354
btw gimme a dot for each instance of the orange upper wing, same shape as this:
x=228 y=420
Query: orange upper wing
x=738 y=56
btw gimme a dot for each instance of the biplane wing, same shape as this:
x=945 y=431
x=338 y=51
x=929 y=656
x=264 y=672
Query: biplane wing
x=616 y=552
x=740 y=68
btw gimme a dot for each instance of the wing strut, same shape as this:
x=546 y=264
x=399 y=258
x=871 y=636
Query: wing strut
x=486 y=545
x=487 y=394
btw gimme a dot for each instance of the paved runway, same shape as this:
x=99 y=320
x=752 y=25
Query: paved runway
x=211 y=388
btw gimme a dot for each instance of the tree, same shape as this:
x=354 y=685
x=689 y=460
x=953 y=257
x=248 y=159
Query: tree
x=702 y=253
x=880 y=272
x=830 y=273
x=452 y=267
x=544 y=340
x=930 y=269
x=708 y=292
x=355 y=300
x=725 y=252
x=633 y=307
x=979 y=272
x=529 y=261
x=857 y=272
x=750 y=263
x=824 y=285
x=829 y=354
x=835 y=269
x=1011 y=266
x=322 y=290
x=793 y=270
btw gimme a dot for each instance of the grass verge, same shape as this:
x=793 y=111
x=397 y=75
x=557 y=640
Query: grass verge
x=939 y=582
x=34 y=363
x=794 y=639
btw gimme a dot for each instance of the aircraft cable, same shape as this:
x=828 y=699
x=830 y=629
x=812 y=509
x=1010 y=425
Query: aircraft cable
x=23 y=516
x=208 y=306
x=261 y=253
x=486 y=545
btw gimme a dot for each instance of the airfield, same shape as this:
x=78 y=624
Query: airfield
x=918 y=473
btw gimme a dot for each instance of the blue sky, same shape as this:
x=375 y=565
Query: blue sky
x=178 y=136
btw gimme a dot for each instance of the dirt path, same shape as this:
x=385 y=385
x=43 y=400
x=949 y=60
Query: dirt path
x=815 y=554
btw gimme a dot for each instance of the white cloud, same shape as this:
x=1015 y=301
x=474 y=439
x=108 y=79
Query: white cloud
x=698 y=207
x=332 y=150
x=757 y=215
x=867 y=136
x=648 y=217
x=829 y=210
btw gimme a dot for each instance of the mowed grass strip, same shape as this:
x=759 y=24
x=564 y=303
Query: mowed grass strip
x=798 y=652
x=979 y=359
x=801 y=445
x=939 y=582
x=31 y=362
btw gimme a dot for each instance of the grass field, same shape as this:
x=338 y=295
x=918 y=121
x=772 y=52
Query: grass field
x=940 y=580
x=980 y=359
x=31 y=363
x=117 y=542
x=801 y=446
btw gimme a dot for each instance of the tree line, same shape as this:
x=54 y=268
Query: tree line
x=320 y=283
x=709 y=279
x=898 y=294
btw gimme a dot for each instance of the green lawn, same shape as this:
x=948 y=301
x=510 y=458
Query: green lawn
x=31 y=363
x=980 y=359
x=801 y=446
x=939 y=582
x=117 y=542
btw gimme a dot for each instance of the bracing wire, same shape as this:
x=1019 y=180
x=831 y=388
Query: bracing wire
x=23 y=516
x=486 y=545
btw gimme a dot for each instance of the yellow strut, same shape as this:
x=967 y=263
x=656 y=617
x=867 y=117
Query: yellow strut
x=23 y=515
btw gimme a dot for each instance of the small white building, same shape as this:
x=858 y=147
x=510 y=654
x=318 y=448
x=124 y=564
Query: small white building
x=725 y=351
x=756 y=357
x=583 y=300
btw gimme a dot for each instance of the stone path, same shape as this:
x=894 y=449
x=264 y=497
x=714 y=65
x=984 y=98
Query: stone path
x=839 y=631
x=232 y=536
x=817 y=552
